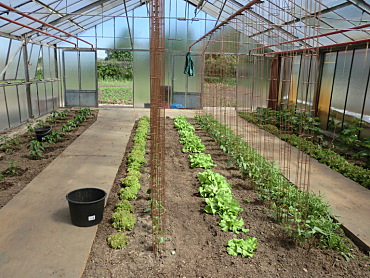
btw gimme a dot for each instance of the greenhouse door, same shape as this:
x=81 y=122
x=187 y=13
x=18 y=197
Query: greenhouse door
x=80 y=78
x=185 y=89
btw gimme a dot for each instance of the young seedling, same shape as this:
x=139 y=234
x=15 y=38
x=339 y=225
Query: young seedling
x=36 y=148
x=12 y=168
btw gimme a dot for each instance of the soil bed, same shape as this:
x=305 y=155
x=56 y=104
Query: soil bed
x=196 y=246
x=27 y=168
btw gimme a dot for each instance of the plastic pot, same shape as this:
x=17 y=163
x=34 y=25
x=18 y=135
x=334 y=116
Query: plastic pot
x=86 y=206
x=42 y=132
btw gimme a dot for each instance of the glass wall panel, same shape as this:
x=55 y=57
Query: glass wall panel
x=52 y=63
x=33 y=56
x=366 y=116
x=23 y=102
x=46 y=61
x=3 y=113
x=4 y=42
x=340 y=86
x=42 y=98
x=326 y=88
x=71 y=70
x=303 y=85
x=357 y=85
x=34 y=100
x=88 y=70
x=49 y=96
x=141 y=61
x=56 y=94
x=13 y=107
x=12 y=69
x=20 y=70
x=285 y=81
x=295 y=77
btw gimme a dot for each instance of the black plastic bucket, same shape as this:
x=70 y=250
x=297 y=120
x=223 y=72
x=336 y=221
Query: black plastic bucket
x=86 y=206
x=42 y=132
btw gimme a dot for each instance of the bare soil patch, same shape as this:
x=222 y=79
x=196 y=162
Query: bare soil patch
x=196 y=246
x=27 y=168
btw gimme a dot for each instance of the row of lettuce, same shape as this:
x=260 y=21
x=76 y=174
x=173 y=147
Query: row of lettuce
x=123 y=218
x=215 y=190
x=305 y=216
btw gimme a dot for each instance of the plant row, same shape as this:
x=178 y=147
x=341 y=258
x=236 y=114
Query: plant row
x=37 y=148
x=216 y=191
x=305 y=216
x=324 y=155
x=9 y=144
x=123 y=218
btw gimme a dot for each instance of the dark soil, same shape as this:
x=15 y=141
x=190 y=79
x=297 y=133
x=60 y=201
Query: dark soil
x=196 y=246
x=27 y=168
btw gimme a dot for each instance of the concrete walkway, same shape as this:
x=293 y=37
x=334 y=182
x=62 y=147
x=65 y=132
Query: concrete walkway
x=347 y=199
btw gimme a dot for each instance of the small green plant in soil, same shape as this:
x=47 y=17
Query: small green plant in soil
x=117 y=240
x=124 y=205
x=201 y=160
x=244 y=247
x=12 y=168
x=123 y=221
x=37 y=149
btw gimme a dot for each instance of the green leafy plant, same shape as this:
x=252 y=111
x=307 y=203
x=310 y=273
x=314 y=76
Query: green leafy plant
x=12 y=168
x=123 y=221
x=128 y=193
x=230 y=222
x=244 y=247
x=201 y=160
x=117 y=240
x=36 y=148
x=124 y=205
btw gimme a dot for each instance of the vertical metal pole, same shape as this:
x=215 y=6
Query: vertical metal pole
x=27 y=79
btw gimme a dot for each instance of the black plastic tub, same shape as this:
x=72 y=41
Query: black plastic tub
x=42 y=132
x=86 y=206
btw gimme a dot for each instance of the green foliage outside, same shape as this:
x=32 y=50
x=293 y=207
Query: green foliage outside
x=116 y=66
x=220 y=69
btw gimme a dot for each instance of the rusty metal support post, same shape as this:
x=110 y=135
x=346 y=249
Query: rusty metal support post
x=157 y=123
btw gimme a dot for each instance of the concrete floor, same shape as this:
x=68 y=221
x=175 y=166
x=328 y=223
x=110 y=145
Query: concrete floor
x=37 y=238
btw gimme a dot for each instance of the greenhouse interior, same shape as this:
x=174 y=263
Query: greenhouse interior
x=188 y=138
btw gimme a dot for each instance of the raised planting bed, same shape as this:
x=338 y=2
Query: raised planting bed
x=22 y=157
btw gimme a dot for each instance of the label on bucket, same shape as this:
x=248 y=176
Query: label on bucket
x=91 y=218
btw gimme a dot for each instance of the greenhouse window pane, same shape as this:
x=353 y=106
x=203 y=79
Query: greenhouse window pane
x=13 y=106
x=12 y=69
x=88 y=70
x=141 y=61
x=42 y=98
x=23 y=106
x=326 y=88
x=3 y=113
x=340 y=89
x=357 y=85
x=71 y=70
x=34 y=100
